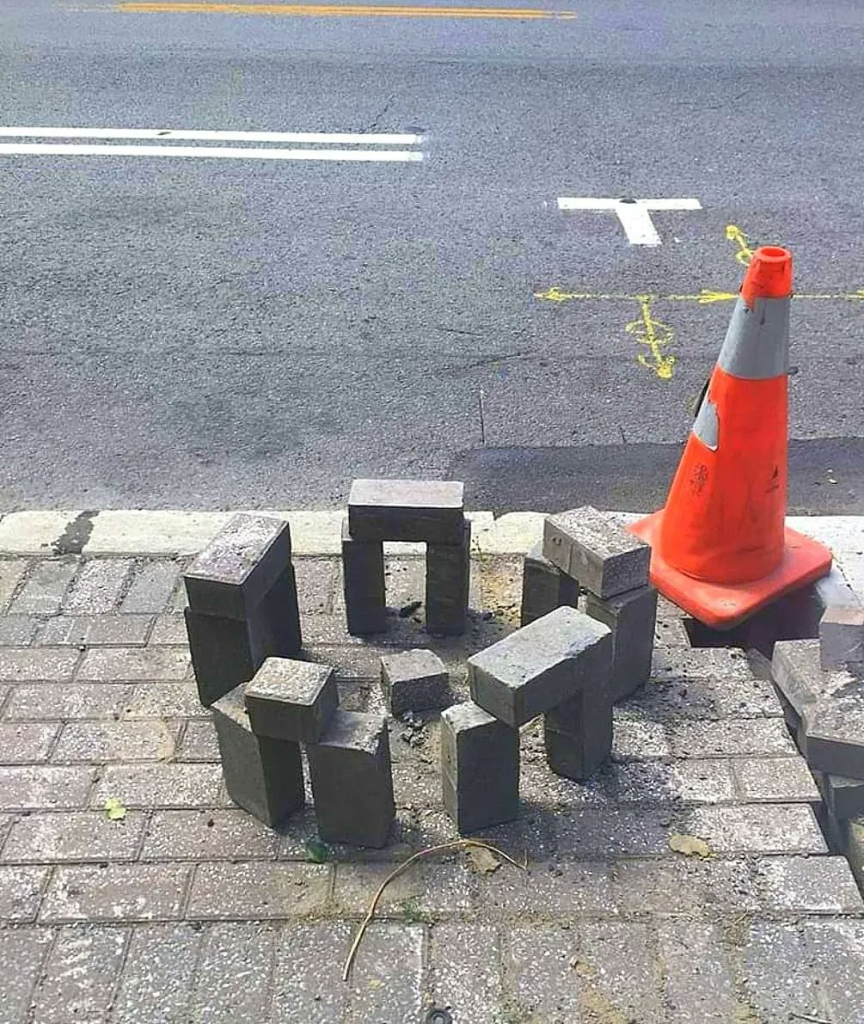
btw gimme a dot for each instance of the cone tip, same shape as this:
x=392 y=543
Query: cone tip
x=769 y=275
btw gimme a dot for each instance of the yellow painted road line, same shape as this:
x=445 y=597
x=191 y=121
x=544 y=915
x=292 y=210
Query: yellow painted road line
x=705 y=297
x=339 y=11
x=654 y=334
x=736 y=235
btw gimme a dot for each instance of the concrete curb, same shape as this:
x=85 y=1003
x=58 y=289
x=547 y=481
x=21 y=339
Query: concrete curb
x=139 y=532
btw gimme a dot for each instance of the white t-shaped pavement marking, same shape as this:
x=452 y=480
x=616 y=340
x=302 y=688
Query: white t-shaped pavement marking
x=634 y=214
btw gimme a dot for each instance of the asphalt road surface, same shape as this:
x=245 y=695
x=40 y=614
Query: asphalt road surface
x=255 y=330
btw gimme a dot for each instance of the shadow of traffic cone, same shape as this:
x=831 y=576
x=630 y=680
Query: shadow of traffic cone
x=720 y=547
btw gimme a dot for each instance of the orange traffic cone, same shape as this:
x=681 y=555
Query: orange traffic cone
x=720 y=547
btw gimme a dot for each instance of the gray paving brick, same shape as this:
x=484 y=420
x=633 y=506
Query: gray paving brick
x=698 y=973
x=775 y=779
x=232 y=982
x=257 y=890
x=619 y=973
x=431 y=888
x=778 y=984
x=159 y=785
x=22 y=953
x=547 y=889
x=731 y=738
x=74 y=836
x=199 y=742
x=116 y=892
x=809 y=885
x=364 y=593
x=169 y=629
x=27 y=665
x=12 y=571
x=406 y=510
x=156 y=983
x=21 y=891
x=844 y=797
x=541 y=983
x=80 y=974
x=686 y=781
x=96 y=630
x=798 y=675
x=97 y=587
x=750 y=698
x=544 y=587
x=601 y=833
x=26 y=742
x=208 y=835
x=841 y=637
x=316 y=584
x=686 y=886
x=720 y=663
x=291 y=700
x=43 y=592
x=757 y=829
x=17 y=630
x=164 y=700
x=64 y=701
x=834 y=734
x=387 y=980
x=44 y=787
x=153 y=583
x=98 y=742
x=631 y=617
x=308 y=986
x=135 y=665
x=836 y=951
x=415 y=680
x=465 y=976
x=448 y=585
x=635 y=739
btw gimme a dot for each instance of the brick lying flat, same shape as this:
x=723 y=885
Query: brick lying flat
x=80 y=975
x=97 y=586
x=540 y=666
x=21 y=891
x=407 y=510
x=255 y=891
x=600 y=554
x=76 y=836
x=116 y=892
x=834 y=734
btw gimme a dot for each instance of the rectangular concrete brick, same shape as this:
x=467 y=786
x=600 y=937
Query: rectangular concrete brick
x=415 y=680
x=153 y=583
x=731 y=738
x=841 y=637
x=43 y=592
x=18 y=630
x=74 y=836
x=156 y=983
x=544 y=587
x=540 y=666
x=263 y=776
x=96 y=630
x=64 y=701
x=307 y=980
x=465 y=971
x=21 y=891
x=158 y=785
x=169 y=629
x=208 y=835
x=775 y=780
x=199 y=742
x=80 y=975
x=116 y=892
x=387 y=983
x=758 y=829
x=479 y=768
x=407 y=510
x=448 y=583
x=257 y=890
x=134 y=665
x=836 y=951
x=631 y=616
x=22 y=953
x=834 y=732
x=12 y=572
x=797 y=673
x=685 y=781
x=100 y=742
x=538 y=962
x=221 y=654
x=363 y=584
x=620 y=970
x=843 y=796
x=97 y=586
x=232 y=575
x=600 y=554
x=291 y=700
x=809 y=885
x=164 y=700
x=26 y=742
x=352 y=782
x=274 y=625
x=234 y=957
x=36 y=788
x=578 y=732
x=31 y=665
x=604 y=833
x=699 y=973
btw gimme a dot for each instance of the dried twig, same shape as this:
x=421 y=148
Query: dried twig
x=458 y=844
x=809 y=1017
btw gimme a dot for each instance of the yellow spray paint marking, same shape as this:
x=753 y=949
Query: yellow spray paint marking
x=653 y=334
x=339 y=10
x=736 y=235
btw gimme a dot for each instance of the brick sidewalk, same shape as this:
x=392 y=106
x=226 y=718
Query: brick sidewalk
x=188 y=910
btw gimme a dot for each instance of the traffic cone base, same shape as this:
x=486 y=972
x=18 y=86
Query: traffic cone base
x=723 y=606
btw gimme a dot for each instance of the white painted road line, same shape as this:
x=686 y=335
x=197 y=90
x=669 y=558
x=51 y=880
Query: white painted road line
x=219 y=152
x=633 y=213
x=194 y=135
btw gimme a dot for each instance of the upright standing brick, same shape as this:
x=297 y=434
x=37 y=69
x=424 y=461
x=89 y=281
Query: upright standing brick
x=448 y=580
x=843 y=796
x=544 y=587
x=415 y=680
x=291 y=700
x=262 y=775
x=841 y=637
x=407 y=510
x=221 y=654
x=540 y=666
x=479 y=768
x=631 y=617
x=578 y=733
x=352 y=783
x=363 y=580
x=590 y=547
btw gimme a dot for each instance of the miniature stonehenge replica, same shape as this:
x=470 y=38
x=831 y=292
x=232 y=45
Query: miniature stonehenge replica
x=565 y=663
